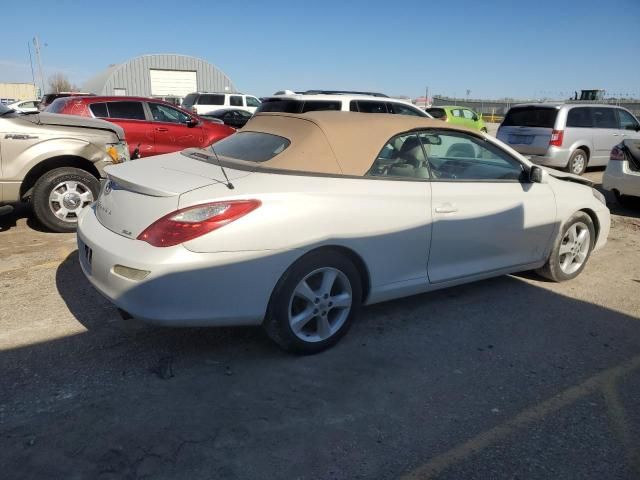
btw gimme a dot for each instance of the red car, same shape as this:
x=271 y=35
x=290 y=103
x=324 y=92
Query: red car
x=151 y=126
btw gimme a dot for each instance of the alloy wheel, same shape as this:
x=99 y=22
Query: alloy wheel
x=574 y=248
x=68 y=198
x=320 y=304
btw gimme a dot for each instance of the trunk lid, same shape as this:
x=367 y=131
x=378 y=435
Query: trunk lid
x=527 y=128
x=139 y=192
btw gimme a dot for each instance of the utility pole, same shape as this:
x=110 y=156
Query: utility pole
x=36 y=44
x=33 y=76
x=426 y=98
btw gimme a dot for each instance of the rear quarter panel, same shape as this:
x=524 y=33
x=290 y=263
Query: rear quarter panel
x=387 y=223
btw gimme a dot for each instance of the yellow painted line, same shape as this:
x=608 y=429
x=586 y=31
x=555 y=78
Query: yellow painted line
x=441 y=462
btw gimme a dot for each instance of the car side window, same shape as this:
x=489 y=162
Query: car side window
x=126 y=110
x=457 y=156
x=627 y=121
x=163 y=113
x=402 y=157
x=468 y=114
x=456 y=112
x=579 y=117
x=371 y=106
x=252 y=102
x=209 y=99
x=235 y=101
x=604 y=117
x=400 y=109
x=99 y=110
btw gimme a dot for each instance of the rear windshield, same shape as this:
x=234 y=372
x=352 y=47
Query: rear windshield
x=189 y=100
x=531 y=117
x=57 y=106
x=251 y=146
x=50 y=97
x=437 y=112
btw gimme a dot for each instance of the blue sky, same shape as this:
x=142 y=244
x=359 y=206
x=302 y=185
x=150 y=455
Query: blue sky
x=493 y=48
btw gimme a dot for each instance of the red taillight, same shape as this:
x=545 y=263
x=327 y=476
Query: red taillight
x=617 y=154
x=189 y=223
x=556 y=138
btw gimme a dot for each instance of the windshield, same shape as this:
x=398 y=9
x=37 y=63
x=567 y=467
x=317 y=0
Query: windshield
x=4 y=110
x=251 y=146
x=531 y=117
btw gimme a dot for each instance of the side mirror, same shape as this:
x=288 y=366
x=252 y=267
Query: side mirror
x=538 y=175
x=475 y=118
x=635 y=128
x=192 y=122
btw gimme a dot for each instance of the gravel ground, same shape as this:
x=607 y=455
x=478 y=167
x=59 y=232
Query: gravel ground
x=512 y=377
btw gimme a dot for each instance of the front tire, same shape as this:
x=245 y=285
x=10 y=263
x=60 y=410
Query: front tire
x=571 y=249
x=59 y=196
x=578 y=162
x=314 y=303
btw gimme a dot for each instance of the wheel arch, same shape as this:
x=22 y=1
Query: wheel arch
x=594 y=220
x=52 y=163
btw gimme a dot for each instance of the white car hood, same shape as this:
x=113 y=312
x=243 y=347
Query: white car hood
x=569 y=177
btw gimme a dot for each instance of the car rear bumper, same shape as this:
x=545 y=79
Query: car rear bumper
x=182 y=288
x=619 y=177
x=553 y=158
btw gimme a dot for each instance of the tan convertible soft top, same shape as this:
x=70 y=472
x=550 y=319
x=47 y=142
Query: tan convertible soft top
x=334 y=142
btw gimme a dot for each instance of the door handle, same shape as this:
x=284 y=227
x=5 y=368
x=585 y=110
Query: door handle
x=161 y=129
x=446 y=208
x=615 y=134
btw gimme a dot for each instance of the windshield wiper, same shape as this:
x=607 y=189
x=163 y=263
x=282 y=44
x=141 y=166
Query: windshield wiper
x=228 y=184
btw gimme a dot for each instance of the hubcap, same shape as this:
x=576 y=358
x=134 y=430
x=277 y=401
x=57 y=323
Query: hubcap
x=574 y=248
x=320 y=304
x=578 y=163
x=68 y=198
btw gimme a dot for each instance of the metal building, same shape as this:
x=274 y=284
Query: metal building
x=166 y=76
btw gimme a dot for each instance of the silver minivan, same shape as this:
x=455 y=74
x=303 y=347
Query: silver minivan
x=569 y=136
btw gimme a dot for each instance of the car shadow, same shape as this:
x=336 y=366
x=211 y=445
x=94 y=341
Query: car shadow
x=20 y=211
x=226 y=403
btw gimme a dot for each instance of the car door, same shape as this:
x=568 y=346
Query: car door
x=628 y=124
x=400 y=202
x=131 y=117
x=173 y=129
x=468 y=117
x=487 y=216
x=606 y=134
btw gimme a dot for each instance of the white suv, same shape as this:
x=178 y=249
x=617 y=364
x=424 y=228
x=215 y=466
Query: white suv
x=205 y=102
x=346 y=101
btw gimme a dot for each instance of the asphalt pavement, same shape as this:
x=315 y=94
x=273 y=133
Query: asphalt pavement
x=509 y=378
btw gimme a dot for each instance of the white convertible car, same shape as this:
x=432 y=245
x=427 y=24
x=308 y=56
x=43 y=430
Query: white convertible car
x=297 y=220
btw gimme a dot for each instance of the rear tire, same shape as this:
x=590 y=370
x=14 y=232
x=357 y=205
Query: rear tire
x=571 y=249
x=314 y=303
x=483 y=130
x=59 y=196
x=578 y=162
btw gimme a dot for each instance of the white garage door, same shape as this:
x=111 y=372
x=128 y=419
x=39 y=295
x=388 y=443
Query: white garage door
x=169 y=83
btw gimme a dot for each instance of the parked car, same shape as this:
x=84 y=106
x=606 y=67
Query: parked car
x=622 y=175
x=204 y=102
x=49 y=98
x=234 y=118
x=25 y=106
x=152 y=127
x=459 y=116
x=570 y=136
x=345 y=101
x=374 y=207
x=55 y=162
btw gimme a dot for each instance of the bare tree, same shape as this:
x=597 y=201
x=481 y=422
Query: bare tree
x=60 y=83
